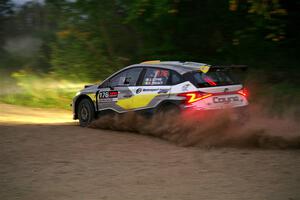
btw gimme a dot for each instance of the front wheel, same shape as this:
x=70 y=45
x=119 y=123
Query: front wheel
x=86 y=112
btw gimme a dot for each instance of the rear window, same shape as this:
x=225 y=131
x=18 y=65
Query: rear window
x=214 y=78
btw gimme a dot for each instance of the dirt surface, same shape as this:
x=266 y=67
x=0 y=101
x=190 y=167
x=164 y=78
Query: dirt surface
x=45 y=156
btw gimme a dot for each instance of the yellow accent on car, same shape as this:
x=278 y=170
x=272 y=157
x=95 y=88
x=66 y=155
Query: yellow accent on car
x=204 y=68
x=125 y=103
x=151 y=62
x=134 y=102
x=92 y=96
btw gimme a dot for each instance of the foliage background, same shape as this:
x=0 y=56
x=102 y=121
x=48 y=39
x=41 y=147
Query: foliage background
x=86 y=40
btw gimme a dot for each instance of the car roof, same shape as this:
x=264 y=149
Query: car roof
x=180 y=67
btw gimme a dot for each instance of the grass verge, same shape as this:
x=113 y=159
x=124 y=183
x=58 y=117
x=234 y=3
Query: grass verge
x=42 y=91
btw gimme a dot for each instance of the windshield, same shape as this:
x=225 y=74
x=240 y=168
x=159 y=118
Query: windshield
x=214 y=78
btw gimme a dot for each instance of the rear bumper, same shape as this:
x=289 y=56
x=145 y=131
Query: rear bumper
x=195 y=108
x=239 y=114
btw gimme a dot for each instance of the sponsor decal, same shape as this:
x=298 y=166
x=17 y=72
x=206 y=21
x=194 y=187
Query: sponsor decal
x=108 y=94
x=159 y=91
x=204 y=68
x=139 y=90
x=107 y=100
x=163 y=91
x=113 y=94
x=225 y=100
x=150 y=90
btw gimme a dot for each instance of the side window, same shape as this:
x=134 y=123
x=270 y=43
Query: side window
x=156 y=77
x=175 y=78
x=118 y=79
x=104 y=84
x=126 y=78
x=132 y=76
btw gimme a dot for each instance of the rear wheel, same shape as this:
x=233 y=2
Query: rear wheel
x=86 y=112
x=167 y=109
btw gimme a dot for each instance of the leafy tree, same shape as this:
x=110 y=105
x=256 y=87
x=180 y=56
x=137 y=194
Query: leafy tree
x=5 y=12
x=91 y=41
x=87 y=40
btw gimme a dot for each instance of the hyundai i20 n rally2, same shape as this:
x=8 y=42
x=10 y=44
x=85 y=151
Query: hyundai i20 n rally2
x=156 y=86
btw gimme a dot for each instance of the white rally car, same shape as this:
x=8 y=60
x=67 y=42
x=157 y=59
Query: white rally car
x=156 y=86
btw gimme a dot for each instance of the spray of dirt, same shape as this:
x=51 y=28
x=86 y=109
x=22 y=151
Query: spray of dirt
x=212 y=129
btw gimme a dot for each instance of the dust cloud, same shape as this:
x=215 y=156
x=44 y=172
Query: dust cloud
x=212 y=129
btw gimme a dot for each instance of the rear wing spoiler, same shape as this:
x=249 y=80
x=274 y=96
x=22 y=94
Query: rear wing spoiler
x=230 y=67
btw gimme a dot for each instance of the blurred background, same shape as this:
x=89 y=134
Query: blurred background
x=50 y=48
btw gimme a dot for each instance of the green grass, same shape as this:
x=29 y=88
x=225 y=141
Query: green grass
x=45 y=101
x=39 y=91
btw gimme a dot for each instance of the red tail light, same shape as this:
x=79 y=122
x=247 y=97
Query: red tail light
x=243 y=92
x=192 y=97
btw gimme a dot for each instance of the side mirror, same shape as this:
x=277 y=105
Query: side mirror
x=111 y=86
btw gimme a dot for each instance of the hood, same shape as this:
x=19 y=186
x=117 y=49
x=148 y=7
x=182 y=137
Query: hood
x=89 y=88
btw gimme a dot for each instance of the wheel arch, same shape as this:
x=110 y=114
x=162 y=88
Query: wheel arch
x=168 y=103
x=77 y=101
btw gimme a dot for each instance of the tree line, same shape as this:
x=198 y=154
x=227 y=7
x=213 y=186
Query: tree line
x=89 y=39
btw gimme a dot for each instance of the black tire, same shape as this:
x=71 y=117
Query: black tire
x=86 y=112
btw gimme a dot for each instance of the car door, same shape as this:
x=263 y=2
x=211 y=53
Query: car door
x=153 y=88
x=116 y=93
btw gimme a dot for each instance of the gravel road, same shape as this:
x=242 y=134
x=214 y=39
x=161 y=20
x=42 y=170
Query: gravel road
x=43 y=155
